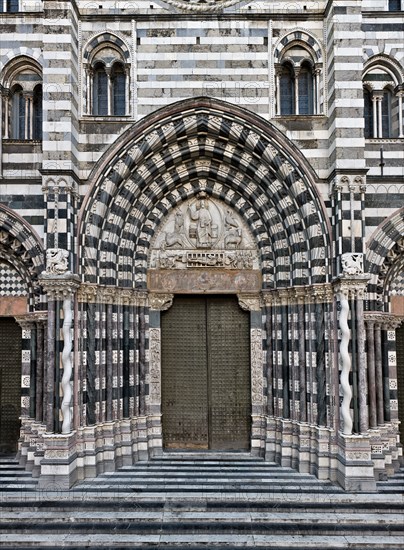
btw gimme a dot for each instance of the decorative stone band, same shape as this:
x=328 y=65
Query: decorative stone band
x=387 y=321
x=92 y=293
x=210 y=6
x=322 y=293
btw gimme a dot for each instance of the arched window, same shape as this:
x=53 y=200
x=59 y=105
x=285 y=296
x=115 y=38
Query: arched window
x=18 y=112
x=305 y=89
x=298 y=77
x=119 y=89
x=21 y=82
x=100 y=90
x=287 y=90
x=37 y=113
x=368 y=113
x=386 y=114
x=107 y=80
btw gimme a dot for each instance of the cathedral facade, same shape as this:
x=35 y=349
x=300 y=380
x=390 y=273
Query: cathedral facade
x=202 y=234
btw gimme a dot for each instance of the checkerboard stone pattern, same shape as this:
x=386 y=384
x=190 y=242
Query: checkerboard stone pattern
x=11 y=282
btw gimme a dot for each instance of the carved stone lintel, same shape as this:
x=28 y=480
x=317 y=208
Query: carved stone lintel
x=160 y=302
x=249 y=302
x=28 y=320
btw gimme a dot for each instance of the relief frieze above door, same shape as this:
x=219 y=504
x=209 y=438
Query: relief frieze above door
x=209 y=240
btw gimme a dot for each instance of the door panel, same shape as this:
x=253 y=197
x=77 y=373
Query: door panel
x=229 y=374
x=10 y=384
x=206 y=400
x=184 y=375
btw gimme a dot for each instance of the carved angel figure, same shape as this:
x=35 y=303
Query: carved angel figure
x=56 y=261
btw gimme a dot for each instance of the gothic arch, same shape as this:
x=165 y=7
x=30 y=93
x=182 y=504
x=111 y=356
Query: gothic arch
x=203 y=145
x=21 y=247
x=103 y=39
x=384 y=257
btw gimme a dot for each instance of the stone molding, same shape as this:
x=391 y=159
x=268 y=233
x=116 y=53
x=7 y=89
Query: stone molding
x=353 y=287
x=92 y=293
x=299 y=295
x=386 y=320
x=27 y=321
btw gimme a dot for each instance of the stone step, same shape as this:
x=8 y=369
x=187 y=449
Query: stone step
x=200 y=542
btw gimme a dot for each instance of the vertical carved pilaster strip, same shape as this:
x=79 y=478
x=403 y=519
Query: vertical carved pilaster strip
x=362 y=370
x=371 y=373
x=132 y=360
x=379 y=375
x=109 y=369
x=56 y=365
x=293 y=366
x=91 y=371
x=98 y=361
x=331 y=388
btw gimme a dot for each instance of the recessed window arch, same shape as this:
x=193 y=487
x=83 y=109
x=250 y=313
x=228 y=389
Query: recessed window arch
x=298 y=81
x=383 y=101
x=21 y=82
x=107 y=81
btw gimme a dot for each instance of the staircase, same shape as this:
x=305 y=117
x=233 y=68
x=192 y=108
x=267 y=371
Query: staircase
x=199 y=501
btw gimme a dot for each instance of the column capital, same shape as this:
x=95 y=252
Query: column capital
x=250 y=302
x=59 y=287
x=387 y=321
x=161 y=301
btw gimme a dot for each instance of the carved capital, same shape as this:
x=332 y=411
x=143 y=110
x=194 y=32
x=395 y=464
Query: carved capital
x=160 y=302
x=351 y=287
x=249 y=302
x=59 y=287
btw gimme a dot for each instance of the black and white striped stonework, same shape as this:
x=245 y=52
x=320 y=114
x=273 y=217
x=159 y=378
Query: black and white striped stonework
x=157 y=166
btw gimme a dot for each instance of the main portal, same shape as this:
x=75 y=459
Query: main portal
x=206 y=391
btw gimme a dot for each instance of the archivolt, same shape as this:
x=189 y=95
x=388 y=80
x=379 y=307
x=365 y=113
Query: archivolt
x=203 y=144
x=22 y=247
x=385 y=251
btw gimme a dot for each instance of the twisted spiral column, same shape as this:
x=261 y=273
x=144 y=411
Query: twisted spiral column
x=345 y=363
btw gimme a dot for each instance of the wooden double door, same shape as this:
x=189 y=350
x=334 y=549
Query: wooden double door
x=206 y=388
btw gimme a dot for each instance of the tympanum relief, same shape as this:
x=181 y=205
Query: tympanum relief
x=204 y=233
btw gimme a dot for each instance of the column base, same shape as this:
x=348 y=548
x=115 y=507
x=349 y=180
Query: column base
x=59 y=464
x=355 y=469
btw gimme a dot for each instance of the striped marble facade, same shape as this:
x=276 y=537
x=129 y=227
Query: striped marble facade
x=81 y=208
